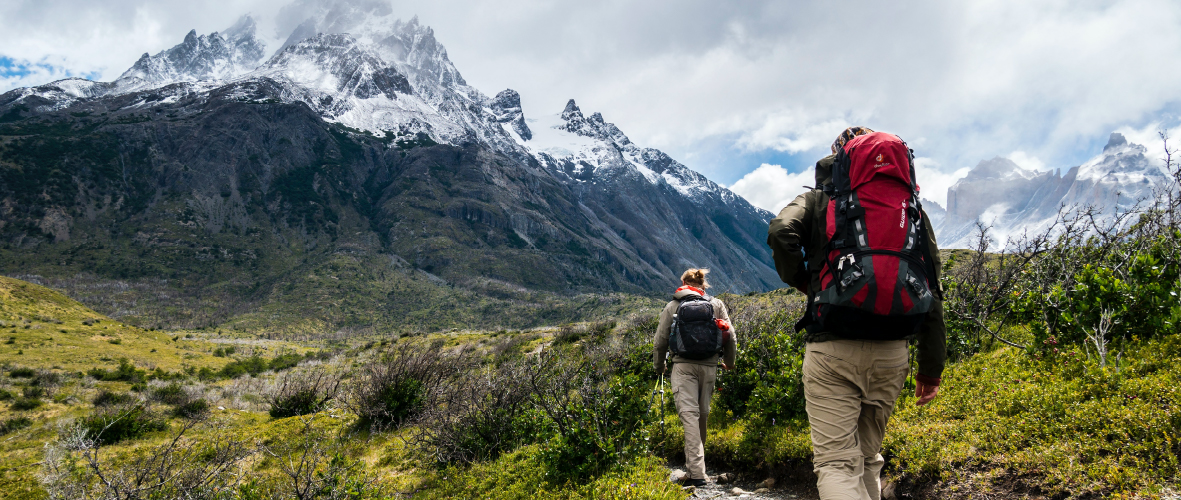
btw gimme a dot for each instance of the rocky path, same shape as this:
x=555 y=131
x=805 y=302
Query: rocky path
x=726 y=485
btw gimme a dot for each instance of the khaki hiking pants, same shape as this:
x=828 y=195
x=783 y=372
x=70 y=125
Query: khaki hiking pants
x=693 y=386
x=850 y=387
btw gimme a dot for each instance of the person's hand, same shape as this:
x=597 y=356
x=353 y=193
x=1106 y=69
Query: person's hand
x=925 y=392
x=726 y=366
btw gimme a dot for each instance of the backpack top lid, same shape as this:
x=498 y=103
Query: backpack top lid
x=875 y=154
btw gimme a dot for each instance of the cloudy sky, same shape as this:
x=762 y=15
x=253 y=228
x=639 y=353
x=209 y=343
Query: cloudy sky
x=750 y=93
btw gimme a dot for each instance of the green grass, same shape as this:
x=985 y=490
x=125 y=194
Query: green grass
x=521 y=474
x=1006 y=421
x=46 y=329
x=1063 y=426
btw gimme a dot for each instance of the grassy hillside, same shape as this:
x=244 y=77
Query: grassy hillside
x=45 y=329
x=350 y=292
x=569 y=413
x=1005 y=423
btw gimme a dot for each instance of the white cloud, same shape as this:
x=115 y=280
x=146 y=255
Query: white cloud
x=933 y=181
x=771 y=187
x=1026 y=161
x=965 y=81
x=1149 y=137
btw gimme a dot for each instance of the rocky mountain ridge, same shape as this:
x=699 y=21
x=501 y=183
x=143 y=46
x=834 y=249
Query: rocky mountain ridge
x=354 y=139
x=1012 y=199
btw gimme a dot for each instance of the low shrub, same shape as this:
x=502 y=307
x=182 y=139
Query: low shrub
x=126 y=372
x=598 y=417
x=14 y=424
x=113 y=424
x=171 y=394
x=6 y=395
x=255 y=365
x=46 y=379
x=523 y=474
x=26 y=404
x=22 y=373
x=33 y=392
x=108 y=398
x=302 y=393
x=192 y=409
x=396 y=386
x=481 y=416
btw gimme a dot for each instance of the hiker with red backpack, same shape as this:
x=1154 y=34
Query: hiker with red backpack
x=862 y=248
x=696 y=329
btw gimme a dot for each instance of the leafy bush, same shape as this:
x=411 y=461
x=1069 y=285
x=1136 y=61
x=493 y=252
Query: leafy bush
x=14 y=424
x=113 y=424
x=480 y=416
x=255 y=365
x=22 y=373
x=522 y=474
x=126 y=372
x=108 y=398
x=302 y=394
x=192 y=409
x=766 y=384
x=26 y=403
x=171 y=394
x=597 y=416
x=397 y=385
x=6 y=395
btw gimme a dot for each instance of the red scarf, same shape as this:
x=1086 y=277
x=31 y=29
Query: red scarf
x=691 y=288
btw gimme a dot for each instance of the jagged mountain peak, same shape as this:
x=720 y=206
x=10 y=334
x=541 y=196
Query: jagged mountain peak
x=1012 y=200
x=999 y=168
x=594 y=126
x=409 y=44
x=338 y=63
x=506 y=109
x=571 y=110
x=216 y=56
x=1117 y=139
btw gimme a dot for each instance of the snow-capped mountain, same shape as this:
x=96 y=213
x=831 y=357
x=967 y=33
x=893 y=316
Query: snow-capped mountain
x=1012 y=199
x=417 y=139
x=217 y=56
x=589 y=149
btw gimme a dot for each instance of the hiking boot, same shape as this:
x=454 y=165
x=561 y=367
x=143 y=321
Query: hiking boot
x=694 y=482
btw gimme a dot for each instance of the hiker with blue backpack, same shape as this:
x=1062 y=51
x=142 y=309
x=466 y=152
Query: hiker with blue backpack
x=861 y=247
x=696 y=328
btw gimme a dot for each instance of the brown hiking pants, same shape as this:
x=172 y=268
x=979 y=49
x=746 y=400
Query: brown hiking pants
x=693 y=386
x=850 y=387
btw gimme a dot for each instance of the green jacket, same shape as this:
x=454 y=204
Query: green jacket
x=797 y=238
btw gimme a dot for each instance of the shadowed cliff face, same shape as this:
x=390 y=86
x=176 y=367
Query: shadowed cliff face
x=235 y=192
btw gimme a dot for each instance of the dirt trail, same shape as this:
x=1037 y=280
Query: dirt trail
x=747 y=489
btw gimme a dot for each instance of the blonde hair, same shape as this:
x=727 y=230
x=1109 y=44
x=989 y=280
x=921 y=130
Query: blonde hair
x=695 y=277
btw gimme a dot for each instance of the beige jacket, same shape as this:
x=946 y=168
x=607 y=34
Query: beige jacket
x=660 y=342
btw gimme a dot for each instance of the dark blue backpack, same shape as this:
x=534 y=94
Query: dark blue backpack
x=695 y=334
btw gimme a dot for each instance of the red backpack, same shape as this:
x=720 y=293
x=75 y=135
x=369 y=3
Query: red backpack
x=874 y=283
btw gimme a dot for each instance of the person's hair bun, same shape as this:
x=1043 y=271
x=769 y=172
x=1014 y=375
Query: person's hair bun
x=695 y=277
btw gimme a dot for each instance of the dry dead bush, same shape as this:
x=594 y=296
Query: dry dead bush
x=76 y=467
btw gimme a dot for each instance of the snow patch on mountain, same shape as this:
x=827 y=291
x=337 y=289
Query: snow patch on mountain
x=1014 y=200
x=217 y=56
